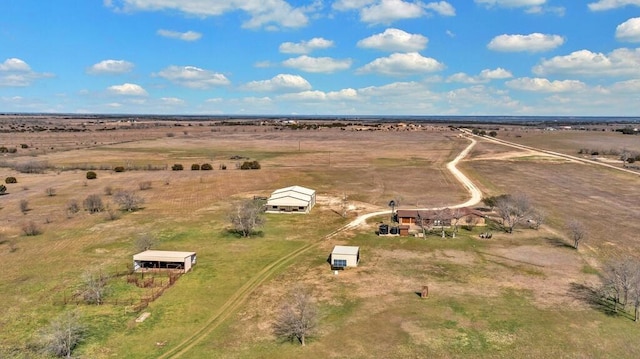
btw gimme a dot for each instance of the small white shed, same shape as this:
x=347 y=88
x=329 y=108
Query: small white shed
x=345 y=256
x=164 y=260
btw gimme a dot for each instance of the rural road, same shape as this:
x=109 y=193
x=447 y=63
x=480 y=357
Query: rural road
x=552 y=153
x=476 y=194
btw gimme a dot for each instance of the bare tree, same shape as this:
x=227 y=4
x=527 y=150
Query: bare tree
x=621 y=279
x=31 y=229
x=513 y=210
x=50 y=191
x=62 y=335
x=537 y=218
x=73 y=207
x=128 y=200
x=24 y=206
x=577 y=231
x=93 y=203
x=145 y=242
x=246 y=216
x=144 y=185
x=456 y=215
x=298 y=316
x=441 y=218
x=93 y=288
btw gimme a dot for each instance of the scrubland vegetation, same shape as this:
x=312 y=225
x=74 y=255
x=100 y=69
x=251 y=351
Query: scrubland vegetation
x=547 y=288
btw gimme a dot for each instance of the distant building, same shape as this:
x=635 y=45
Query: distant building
x=294 y=199
x=345 y=256
x=164 y=260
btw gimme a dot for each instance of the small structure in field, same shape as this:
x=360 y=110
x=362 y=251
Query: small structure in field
x=149 y=260
x=345 y=256
x=294 y=199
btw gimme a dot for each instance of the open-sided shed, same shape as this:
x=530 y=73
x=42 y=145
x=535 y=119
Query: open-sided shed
x=164 y=260
x=345 y=256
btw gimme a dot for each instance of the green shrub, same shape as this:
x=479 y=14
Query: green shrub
x=10 y=180
x=118 y=169
x=206 y=167
x=177 y=167
x=91 y=175
x=3 y=189
x=195 y=167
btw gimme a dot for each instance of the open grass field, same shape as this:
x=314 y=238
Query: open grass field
x=526 y=295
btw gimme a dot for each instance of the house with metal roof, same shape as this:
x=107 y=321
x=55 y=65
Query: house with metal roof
x=294 y=199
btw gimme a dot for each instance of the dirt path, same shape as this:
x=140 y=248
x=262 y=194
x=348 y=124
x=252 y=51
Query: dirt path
x=476 y=194
x=240 y=296
x=552 y=153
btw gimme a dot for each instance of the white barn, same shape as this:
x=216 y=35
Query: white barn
x=294 y=199
x=345 y=256
x=164 y=260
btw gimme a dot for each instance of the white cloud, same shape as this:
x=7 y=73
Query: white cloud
x=193 y=77
x=172 y=101
x=280 y=83
x=388 y=11
x=127 y=89
x=484 y=76
x=544 y=85
x=305 y=47
x=184 y=36
x=262 y=13
x=620 y=62
x=629 y=86
x=601 y=5
x=629 y=30
x=344 y=5
x=395 y=40
x=15 y=72
x=511 y=3
x=442 y=8
x=111 y=67
x=402 y=64
x=348 y=94
x=540 y=10
x=317 y=64
x=535 y=42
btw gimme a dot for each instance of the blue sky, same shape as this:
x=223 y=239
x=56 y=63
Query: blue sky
x=321 y=57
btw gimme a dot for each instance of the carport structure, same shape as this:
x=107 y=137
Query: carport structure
x=164 y=260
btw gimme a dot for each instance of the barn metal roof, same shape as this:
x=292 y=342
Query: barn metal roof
x=162 y=256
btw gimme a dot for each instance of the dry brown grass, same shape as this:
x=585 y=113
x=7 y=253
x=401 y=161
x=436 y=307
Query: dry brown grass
x=369 y=167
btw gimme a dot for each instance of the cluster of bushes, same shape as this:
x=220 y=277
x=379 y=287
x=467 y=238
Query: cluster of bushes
x=10 y=179
x=4 y=149
x=480 y=132
x=628 y=131
x=250 y=165
x=91 y=175
x=31 y=167
x=203 y=167
x=177 y=167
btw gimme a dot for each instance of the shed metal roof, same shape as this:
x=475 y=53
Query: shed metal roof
x=162 y=256
x=300 y=189
x=348 y=250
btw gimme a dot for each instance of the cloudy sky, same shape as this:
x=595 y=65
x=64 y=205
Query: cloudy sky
x=321 y=57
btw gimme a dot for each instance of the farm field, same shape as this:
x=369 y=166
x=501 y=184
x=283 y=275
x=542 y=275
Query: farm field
x=526 y=294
